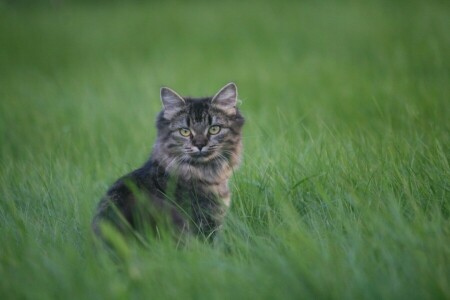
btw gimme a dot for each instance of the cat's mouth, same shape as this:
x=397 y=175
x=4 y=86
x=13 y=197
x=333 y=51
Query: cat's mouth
x=202 y=156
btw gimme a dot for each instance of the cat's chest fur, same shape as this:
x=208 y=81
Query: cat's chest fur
x=204 y=204
x=211 y=192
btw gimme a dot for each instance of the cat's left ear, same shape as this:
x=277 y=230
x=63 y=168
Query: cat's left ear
x=226 y=98
x=172 y=102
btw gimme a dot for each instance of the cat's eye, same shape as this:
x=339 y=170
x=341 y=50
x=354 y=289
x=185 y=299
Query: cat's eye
x=185 y=132
x=214 y=129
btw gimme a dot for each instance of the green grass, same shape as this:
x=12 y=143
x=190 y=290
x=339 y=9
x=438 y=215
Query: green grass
x=344 y=189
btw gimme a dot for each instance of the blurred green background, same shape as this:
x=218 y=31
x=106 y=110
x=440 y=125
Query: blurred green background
x=344 y=188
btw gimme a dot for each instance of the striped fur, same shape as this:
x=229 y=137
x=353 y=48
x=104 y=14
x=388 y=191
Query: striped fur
x=185 y=181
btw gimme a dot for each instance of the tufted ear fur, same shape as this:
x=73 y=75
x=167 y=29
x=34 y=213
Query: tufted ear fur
x=172 y=102
x=225 y=99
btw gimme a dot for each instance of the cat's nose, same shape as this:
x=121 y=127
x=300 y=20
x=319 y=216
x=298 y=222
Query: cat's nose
x=199 y=142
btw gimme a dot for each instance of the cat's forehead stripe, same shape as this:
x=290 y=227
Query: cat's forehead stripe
x=199 y=111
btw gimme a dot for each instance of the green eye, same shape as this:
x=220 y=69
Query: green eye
x=185 y=132
x=214 y=129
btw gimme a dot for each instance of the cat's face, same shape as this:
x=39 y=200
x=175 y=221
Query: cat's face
x=199 y=131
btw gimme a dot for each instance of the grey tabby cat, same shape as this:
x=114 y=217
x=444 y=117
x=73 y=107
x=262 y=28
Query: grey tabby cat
x=185 y=181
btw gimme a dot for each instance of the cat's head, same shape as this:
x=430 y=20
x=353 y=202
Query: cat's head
x=199 y=131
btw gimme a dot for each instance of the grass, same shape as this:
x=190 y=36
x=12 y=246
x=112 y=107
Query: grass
x=344 y=189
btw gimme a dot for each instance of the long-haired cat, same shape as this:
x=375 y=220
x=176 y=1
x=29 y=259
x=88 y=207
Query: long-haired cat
x=185 y=180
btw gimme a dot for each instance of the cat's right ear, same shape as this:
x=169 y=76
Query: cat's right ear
x=172 y=102
x=226 y=98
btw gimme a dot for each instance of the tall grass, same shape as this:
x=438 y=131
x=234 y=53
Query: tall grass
x=344 y=189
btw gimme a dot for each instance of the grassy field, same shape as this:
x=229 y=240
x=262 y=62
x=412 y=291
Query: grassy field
x=344 y=190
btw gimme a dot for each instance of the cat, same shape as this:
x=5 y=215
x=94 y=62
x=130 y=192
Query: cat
x=185 y=180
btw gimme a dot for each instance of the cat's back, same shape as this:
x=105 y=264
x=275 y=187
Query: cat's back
x=147 y=182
